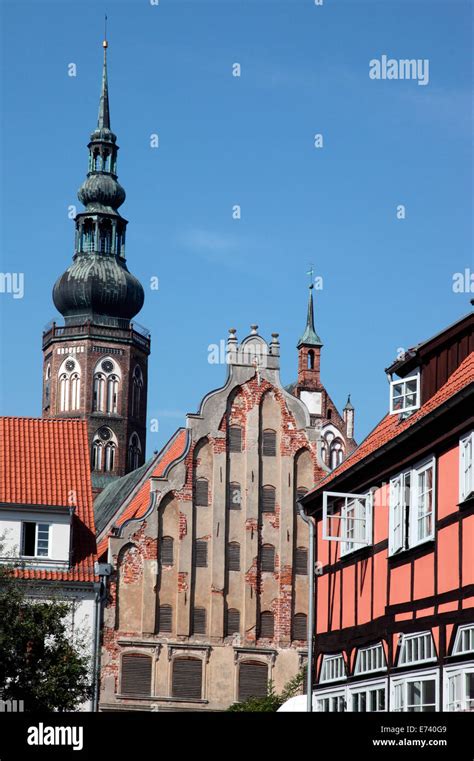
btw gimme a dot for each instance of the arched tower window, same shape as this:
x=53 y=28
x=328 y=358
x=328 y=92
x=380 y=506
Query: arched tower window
x=88 y=236
x=104 y=450
x=336 y=453
x=137 y=386
x=107 y=378
x=134 y=452
x=69 y=382
x=311 y=360
x=105 y=236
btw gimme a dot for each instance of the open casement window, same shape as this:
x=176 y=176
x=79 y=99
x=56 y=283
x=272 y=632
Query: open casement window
x=460 y=690
x=411 y=515
x=405 y=395
x=466 y=467
x=347 y=518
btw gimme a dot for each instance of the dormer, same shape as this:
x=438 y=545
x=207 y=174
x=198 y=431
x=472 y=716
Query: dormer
x=37 y=535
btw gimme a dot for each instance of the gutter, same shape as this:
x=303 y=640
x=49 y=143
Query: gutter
x=103 y=570
x=309 y=520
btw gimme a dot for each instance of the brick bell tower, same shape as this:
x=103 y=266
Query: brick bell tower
x=95 y=365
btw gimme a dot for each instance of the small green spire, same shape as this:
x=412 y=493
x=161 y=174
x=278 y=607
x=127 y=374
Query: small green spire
x=310 y=337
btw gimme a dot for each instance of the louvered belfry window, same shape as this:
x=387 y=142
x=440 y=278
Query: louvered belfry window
x=199 y=621
x=267 y=624
x=299 y=626
x=187 y=678
x=235 y=497
x=269 y=443
x=253 y=680
x=167 y=550
x=267 y=557
x=165 y=618
x=235 y=438
x=201 y=495
x=301 y=561
x=200 y=557
x=234 y=556
x=136 y=674
x=233 y=622
x=268 y=499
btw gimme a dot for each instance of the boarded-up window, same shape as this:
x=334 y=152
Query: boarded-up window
x=299 y=626
x=253 y=680
x=234 y=556
x=165 y=618
x=267 y=624
x=199 y=621
x=267 y=557
x=269 y=443
x=187 y=678
x=234 y=496
x=136 y=674
x=200 y=555
x=268 y=499
x=232 y=622
x=167 y=550
x=235 y=438
x=301 y=561
x=201 y=497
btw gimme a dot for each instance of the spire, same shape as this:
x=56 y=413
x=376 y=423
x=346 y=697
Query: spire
x=349 y=406
x=103 y=122
x=310 y=337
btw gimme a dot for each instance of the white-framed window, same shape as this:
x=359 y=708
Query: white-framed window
x=459 y=688
x=35 y=539
x=416 y=648
x=370 y=659
x=333 y=668
x=369 y=698
x=347 y=518
x=331 y=702
x=104 y=450
x=69 y=385
x=464 y=642
x=405 y=395
x=107 y=376
x=412 y=500
x=466 y=467
x=415 y=693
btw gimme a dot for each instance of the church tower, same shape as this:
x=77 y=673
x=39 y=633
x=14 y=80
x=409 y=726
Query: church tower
x=95 y=365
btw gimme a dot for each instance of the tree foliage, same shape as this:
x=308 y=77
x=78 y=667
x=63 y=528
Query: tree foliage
x=272 y=701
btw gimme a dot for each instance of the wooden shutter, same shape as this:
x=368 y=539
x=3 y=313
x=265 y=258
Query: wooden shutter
x=201 y=497
x=201 y=554
x=301 y=561
x=253 y=680
x=235 y=439
x=299 y=626
x=187 y=678
x=267 y=558
x=267 y=624
x=165 y=618
x=235 y=496
x=136 y=674
x=199 y=621
x=234 y=556
x=269 y=443
x=233 y=622
x=167 y=550
x=268 y=499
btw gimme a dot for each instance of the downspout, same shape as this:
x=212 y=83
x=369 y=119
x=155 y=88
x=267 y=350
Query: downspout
x=309 y=520
x=103 y=571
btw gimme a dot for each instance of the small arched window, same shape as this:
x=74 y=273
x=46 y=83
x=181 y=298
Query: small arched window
x=336 y=453
x=268 y=499
x=201 y=498
x=134 y=452
x=267 y=624
x=233 y=556
x=269 y=443
x=75 y=391
x=235 y=438
x=311 y=360
x=232 y=622
x=167 y=544
x=104 y=450
x=106 y=386
x=137 y=386
x=69 y=382
x=109 y=463
x=267 y=558
x=300 y=626
x=97 y=455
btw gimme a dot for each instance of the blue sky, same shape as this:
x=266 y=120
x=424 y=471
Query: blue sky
x=247 y=141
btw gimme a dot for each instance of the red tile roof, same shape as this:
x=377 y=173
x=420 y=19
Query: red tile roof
x=44 y=463
x=390 y=426
x=140 y=500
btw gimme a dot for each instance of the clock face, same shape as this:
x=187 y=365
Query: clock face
x=107 y=366
x=70 y=365
x=104 y=433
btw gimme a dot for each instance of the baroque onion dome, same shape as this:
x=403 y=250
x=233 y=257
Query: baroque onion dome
x=98 y=286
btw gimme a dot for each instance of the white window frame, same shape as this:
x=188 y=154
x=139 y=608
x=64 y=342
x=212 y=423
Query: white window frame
x=331 y=695
x=326 y=666
x=402 y=683
x=37 y=524
x=459 y=701
x=350 y=537
x=366 y=687
x=370 y=654
x=458 y=648
x=404 y=382
x=417 y=641
x=466 y=466
x=405 y=498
